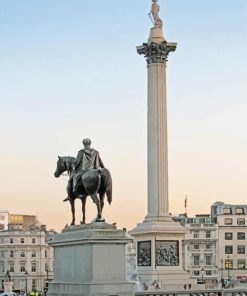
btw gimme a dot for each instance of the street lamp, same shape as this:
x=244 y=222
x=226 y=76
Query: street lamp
x=47 y=280
x=26 y=275
x=221 y=268
x=202 y=274
x=228 y=266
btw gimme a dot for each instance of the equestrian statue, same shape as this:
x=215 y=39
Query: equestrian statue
x=87 y=177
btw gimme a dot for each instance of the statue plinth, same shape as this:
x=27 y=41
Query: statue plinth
x=90 y=260
x=156 y=35
x=8 y=286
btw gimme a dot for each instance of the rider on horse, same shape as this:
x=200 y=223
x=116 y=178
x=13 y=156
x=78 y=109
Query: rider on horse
x=87 y=159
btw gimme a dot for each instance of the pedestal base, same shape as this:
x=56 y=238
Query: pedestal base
x=159 y=255
x=156 y=35
x=8 y=286
x=90 y=261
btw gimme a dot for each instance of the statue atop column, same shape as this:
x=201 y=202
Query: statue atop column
x=155 y=14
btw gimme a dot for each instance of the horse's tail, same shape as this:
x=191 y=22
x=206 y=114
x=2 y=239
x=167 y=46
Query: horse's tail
x=107 y=181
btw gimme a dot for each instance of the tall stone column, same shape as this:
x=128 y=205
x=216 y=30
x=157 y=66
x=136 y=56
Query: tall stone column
x=156 y=52
x=158 y=238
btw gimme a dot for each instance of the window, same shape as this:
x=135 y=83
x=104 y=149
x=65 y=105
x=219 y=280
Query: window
x=241 y=235
x=241 y=221
x=22 y=268
x=228 y=264
x=11 y=241
x=196 y=247
x=241 y=249
x=196 y=234
x=196 y=260
x=45 y=253
x=22 y=254
x=239 y=211
x=34 y=283
x=208 y=247
x=2 y=254
x=33 y=254
x=227 y=211
x=228 y=249
x=228 y=221
x=208 y=272
x=208 y=260
x=241 y=264
x=196 y=272
x=2 y=267
x=22 y=240
x=228 y=235
x=33 y=240
x=208 y=234
x=34 y=267
x=11 y=267
x=11 y=254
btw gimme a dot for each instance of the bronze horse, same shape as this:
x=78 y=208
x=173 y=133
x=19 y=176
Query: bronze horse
x=92 y=182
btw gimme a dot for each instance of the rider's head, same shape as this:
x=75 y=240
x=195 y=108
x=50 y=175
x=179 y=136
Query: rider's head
x=86 y=142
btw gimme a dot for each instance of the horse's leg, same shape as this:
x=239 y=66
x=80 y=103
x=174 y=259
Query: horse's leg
x=97 y=201
x=69 y=189
x=101 y=197
x=83 y=201
x=72 y=203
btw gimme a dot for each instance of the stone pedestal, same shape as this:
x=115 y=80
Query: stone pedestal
x=156 y=35
x=160 y=255
x=8 y=286
x=90 y=261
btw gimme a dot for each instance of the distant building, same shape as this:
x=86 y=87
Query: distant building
x=24 y=252
x=4 y=220
x=200 y=249
x=232 y=235
x=21 y=221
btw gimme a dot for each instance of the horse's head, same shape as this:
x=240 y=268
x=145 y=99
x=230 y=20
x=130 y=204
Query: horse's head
x=61 y=166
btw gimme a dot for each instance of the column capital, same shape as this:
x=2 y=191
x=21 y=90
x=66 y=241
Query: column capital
x=156 y=52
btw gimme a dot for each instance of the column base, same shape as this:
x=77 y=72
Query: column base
x=159 y=255
x=150 y=218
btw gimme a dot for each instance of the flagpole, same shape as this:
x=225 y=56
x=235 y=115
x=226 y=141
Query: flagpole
x=185 y=204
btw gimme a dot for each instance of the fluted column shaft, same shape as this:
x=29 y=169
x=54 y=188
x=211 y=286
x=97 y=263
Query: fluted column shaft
x=157 y=142
x=158 y=203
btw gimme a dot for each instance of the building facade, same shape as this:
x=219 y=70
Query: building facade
x=25 y=254
x=232 y=244
x=200 y=250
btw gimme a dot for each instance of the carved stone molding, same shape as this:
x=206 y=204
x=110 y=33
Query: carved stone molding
x=156 y=52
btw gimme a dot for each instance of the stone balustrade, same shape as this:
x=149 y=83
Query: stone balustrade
x=226 y=292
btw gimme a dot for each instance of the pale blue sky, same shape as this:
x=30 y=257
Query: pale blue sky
x=69 y=70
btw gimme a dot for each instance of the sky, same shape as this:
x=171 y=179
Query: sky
x=69 y=70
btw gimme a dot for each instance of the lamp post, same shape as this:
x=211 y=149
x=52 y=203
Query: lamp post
x=202 y=271
x=47 y=280
x=26 y=275
x=221 y=268
x=228 y=266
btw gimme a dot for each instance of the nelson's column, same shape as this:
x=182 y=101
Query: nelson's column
x=158 y=238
